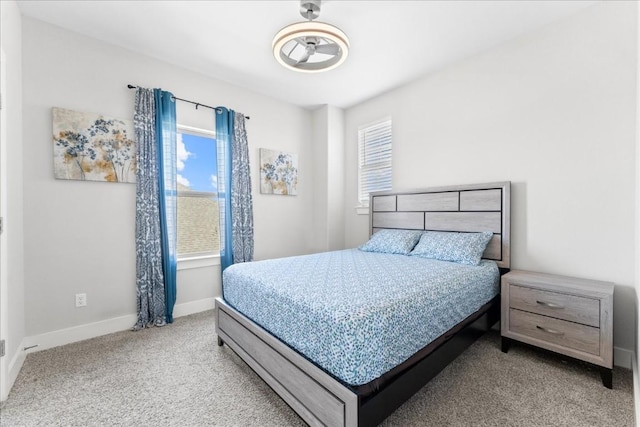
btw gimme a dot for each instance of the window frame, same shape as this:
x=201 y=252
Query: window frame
x=199 y=259
x=363 y=204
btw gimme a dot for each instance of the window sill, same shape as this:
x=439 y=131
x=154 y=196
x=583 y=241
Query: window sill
x=362 y=210
x=200 y=261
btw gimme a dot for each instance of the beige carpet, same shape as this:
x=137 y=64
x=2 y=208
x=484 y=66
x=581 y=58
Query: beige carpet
x=178 y=376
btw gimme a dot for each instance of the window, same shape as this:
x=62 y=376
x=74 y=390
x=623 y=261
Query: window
x=374 y=159
x=198 y=220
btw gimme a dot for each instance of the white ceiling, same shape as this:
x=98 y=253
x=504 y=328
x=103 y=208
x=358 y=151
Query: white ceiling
x=392 y=42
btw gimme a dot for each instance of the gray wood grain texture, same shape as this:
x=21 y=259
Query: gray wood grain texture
x=481 y=200
x=384 y=204
x=407 y=220
x=573 y=308
x=428 y=202
x=563 y=286
x=464 y=221
x=555 y=331
x=493 y=250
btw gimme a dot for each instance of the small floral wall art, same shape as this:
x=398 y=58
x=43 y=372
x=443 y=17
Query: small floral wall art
x=93 y=147
x=278 y=172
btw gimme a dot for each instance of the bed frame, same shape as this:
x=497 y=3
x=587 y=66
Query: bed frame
x=317 y=397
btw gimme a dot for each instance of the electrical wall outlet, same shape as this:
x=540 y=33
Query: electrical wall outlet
x=81 y=300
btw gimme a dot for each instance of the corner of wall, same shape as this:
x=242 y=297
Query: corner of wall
x=14 y=369
x=12 y=308
x=335 y=175
x=328 y=163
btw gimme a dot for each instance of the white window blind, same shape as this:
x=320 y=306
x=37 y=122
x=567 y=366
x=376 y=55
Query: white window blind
x=374 y=155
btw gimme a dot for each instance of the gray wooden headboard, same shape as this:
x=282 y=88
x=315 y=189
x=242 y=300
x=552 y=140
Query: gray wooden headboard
x=462 y=208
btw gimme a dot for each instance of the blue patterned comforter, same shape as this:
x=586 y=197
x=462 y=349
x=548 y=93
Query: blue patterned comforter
x=358 y=314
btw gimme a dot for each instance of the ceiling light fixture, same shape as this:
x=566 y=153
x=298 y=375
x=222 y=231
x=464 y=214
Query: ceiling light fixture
x=310 y=46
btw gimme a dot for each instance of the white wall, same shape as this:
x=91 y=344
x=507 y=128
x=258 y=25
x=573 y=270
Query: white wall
x=10 y=37
x=335 y=178
x=328 y=185
x=79 y=236
x=320 y=136
x=554 y=113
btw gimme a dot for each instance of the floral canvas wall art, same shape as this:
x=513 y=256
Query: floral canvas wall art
x=278 y=172
x=92 y=147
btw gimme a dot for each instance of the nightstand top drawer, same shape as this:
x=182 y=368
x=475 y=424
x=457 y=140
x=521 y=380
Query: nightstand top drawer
x=558 y=305
x=564 y=284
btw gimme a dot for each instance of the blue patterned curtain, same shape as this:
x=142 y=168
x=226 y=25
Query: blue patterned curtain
x=241 y=199
x=156 y=234
x=234 y=189
x=167 y=187
x=149 y=275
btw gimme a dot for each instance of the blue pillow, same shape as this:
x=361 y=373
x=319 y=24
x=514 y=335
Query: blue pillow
x=463 y=248
x=392 y=241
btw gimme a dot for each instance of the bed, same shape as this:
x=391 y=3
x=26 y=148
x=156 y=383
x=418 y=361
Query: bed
x=313 y=372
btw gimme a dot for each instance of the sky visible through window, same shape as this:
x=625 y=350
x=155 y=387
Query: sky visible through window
x=197 y=162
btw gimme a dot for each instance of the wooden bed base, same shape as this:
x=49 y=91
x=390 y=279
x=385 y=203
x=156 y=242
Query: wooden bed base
x=317 y=397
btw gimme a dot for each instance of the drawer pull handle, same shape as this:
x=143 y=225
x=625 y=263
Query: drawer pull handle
x=551 y=331
x=550 y=304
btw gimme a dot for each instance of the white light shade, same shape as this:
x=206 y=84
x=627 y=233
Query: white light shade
x=310 y=29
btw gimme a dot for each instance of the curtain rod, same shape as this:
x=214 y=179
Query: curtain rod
x=197 y=104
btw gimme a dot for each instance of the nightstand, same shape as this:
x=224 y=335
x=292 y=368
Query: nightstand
x=566 y=315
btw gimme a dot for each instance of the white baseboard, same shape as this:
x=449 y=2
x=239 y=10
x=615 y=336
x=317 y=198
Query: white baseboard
x=14 y=369
x=193 y=307
x=79 y=333
x=623 y=357
x=104 y=327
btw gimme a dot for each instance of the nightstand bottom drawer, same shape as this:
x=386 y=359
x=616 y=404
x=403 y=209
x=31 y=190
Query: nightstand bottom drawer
x=555 y=331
